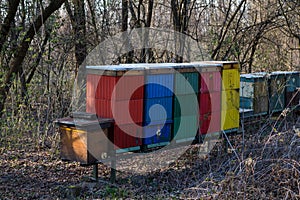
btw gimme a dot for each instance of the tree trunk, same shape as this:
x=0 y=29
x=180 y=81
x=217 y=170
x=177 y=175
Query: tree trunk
x=129 y=55
x=5 y=27
x=16 y=63
x=79 y=25
x=225 y=29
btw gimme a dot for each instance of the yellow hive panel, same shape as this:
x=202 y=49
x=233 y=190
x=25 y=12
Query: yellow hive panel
x=230 y=100
x=86 y=147
x=230 y=79
x=229 y=119
x=236 y=66
x=227 y=65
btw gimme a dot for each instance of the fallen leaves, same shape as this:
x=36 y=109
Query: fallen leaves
x=38 y=173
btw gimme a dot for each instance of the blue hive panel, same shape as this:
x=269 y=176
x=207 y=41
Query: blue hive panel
x=277 y=92
x=157 y=133
x=292 y=81
x=159 y=109
x=246 y=103
x=159 y=85
x=254 y=92
x=277 y=103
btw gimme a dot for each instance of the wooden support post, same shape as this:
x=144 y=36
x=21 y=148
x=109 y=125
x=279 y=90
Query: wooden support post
x=225 y=144
x=113 y=168
x=112 y=153
x=95 y=172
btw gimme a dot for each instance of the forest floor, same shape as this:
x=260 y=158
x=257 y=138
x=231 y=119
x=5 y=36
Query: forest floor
x=265 y=166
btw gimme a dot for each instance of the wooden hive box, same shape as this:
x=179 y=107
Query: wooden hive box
x=84 y=140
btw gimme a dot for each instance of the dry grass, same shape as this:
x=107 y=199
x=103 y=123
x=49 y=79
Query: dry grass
x=268 y=168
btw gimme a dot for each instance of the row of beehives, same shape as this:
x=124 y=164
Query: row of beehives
x=266 y=93
x=166 y=101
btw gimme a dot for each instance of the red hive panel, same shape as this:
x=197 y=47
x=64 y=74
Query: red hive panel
x=91 y=84
x=120 y=111
x=90 y=105
x=210 y=122
x=210 y=82
x=210 y=102
x=120 y=88
x=128 y=135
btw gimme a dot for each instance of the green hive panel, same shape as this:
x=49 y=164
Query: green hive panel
x=186 y=83
x=185 y=105
x=185 y=127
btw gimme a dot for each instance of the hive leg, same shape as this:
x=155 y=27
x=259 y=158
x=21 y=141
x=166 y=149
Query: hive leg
x=95 y=172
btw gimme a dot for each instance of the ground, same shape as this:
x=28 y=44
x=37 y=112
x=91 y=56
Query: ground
x=265 y=166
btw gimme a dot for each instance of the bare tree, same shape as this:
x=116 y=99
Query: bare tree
x=78 y=20
x=21 y=51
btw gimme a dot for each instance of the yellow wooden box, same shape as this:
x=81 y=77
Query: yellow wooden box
x=229 y=119
x=225 y=64
x=84 y=141
x=230 y=65
x=230 y=79
x=230 y=100
x=82 y=146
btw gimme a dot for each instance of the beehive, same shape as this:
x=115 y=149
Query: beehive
x=158 y=104
x=230 y=95
x=115 y=82
x=277 y=84
x=186 y=105
x=230 y=100
x=128 y=136
x=84 y=141
x=210 y=122
x=254 y=92
x=210 y=82
x=159 y=86
x=230 y=81
x=292 y=95
x=209 y=98
x=117 y=92
x=292 y=81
